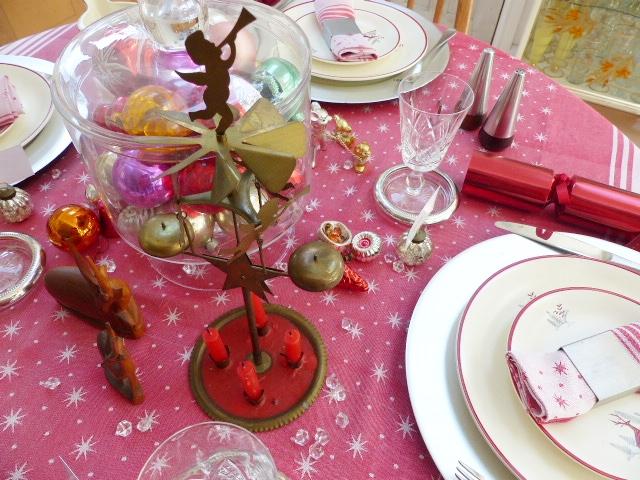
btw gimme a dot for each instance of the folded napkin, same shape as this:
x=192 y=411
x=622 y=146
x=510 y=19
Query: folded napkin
x=337 y=21
x=554 y=389
x=10 y=106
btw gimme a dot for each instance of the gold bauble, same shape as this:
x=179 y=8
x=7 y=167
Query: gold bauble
x=316 y=266
x=164 y=235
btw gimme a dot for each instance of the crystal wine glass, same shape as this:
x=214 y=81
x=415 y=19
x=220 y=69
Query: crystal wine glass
x=430 y=115
x=211 y=451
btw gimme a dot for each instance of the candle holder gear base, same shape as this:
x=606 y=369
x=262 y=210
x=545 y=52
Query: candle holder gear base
x=288 y=391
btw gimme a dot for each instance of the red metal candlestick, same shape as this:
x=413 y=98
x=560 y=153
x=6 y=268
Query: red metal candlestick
x=293 y=347
x=249 y=380
x=260 y=314
x=216 y=347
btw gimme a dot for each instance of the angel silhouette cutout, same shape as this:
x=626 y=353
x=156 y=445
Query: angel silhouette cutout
x=89 y=291
x=216 y=77
x=118 y=365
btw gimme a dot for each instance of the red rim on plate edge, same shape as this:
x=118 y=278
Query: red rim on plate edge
x=465 y=393
x=542 y=426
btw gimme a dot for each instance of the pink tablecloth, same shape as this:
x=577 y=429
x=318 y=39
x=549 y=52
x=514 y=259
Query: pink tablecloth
x=77 y=421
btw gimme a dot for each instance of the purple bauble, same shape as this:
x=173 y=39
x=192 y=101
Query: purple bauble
x=138 y=183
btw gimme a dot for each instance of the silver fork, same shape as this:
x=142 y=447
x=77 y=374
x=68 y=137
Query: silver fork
x=465 y=472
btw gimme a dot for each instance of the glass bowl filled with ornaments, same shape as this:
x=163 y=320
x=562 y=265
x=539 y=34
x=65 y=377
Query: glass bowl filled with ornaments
x=138 y=105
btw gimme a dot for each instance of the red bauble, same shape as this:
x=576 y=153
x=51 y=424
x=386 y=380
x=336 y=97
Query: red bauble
x=198 y=177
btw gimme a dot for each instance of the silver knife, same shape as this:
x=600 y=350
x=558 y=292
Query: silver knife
x=564 y=242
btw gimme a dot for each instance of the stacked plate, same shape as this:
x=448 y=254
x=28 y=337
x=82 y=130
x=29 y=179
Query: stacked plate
x=401 y=36
x=39 y=130
x=513 y=294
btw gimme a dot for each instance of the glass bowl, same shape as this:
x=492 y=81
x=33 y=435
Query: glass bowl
x=115 y=71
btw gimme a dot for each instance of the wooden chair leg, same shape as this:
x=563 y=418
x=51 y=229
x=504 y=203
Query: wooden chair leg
x=437 y=13
x=463 y=15
x=411 y=4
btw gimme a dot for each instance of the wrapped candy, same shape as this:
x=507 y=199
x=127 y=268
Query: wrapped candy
x=577 y=200
x=352 y=281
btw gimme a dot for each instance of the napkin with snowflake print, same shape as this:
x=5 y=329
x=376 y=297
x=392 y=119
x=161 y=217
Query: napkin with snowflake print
x=558 y=386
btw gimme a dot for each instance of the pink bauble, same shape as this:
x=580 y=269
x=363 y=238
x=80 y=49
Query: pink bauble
x=138 y=183
x=246 y=47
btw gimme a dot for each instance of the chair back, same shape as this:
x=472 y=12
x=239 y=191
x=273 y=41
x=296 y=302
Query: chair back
x=463 y=13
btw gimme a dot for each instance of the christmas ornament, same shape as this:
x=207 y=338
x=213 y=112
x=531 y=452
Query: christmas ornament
x=140 y=114
x=89 y=291
x=245 y=45
x=276 y=79
x=15 y=203
x=344 y=136
x=417 y=251
x=481 y=84
x=366 y=246
x=197 y=177
x=104 y=174
x=131 y=218
x=106 y=223
x=73 y=225
x=337 y=234
x=141 y=184
x=362 y=153
x=352 y=281
x=201 y=225
x=165 y=235
x=498 y=130
x=316 y=266
x=118 y=366
x=319 y=120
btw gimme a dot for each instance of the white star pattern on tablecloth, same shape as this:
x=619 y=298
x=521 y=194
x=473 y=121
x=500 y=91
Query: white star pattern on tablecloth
x=493 y=211
x=11 y=329
x=383 y=128
x=357 y=445
x=545 y=111
x=350 y=191
x=459 y=222
x=18 y=472
x=221 y=298
x=75 y=396
x=45 y=187
x=405 y=426
x=373 y=287
x=159 y=282
x=519 y=117
x=328 y=298
x=473 y=47
x=305 y=466
x=185 y=355
x=158 y=464
x=454 y=84
x=313 y=204
x=551 y=87
x=379 y=372
x=291 y=241
x=411 y=275
x=525 y=93
x=105 y=262
x=68 y=353
x=173 y=316
x=48 y=210
x=60 y=314
x=367 y=216
x=148 y=420
x=389 y=240
x=541 y=137
x=394 y=320
x=504 y=76
x=83 y=178
x=84 y=447
x=333 y=395
x=12 y=420
x=333 y=168
x=452 y=160
x=355 y=330
x=8 y=369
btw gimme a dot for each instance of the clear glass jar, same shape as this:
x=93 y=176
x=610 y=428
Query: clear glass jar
x=117 y=59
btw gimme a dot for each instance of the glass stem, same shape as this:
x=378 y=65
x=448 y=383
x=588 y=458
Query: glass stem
x=415 y=183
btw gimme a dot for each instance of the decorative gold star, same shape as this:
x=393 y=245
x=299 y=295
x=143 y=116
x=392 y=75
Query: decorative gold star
x=242 y=273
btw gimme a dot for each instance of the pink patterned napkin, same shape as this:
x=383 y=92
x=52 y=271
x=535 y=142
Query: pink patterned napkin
x=10 y=106
x=550 y=385
x=351 y=47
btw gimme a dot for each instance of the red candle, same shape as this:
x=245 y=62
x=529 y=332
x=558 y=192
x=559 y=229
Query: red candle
x=249 y=380
x=215 y=346
x=292 y=346
x=258 y=309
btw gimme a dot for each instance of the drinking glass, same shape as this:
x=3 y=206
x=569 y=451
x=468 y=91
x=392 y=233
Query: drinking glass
x=430 y=116
x=211 y=451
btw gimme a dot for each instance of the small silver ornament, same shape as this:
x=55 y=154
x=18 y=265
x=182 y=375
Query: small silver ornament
x=15 y=203
x=417 y=251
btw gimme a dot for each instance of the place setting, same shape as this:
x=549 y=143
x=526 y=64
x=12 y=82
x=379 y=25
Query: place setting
x=32 y=133
x=387 y=40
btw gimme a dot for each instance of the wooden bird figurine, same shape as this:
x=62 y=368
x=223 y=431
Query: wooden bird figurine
x=118 y=365
x=89 y=291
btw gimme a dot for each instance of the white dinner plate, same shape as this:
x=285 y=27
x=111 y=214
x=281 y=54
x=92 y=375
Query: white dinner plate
x=381 y=32
x=33 y=92
x=54 y=138
x=438 y=404
x=411 y=48
x=599 y=440
x=482 y=367
x=383 y=90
